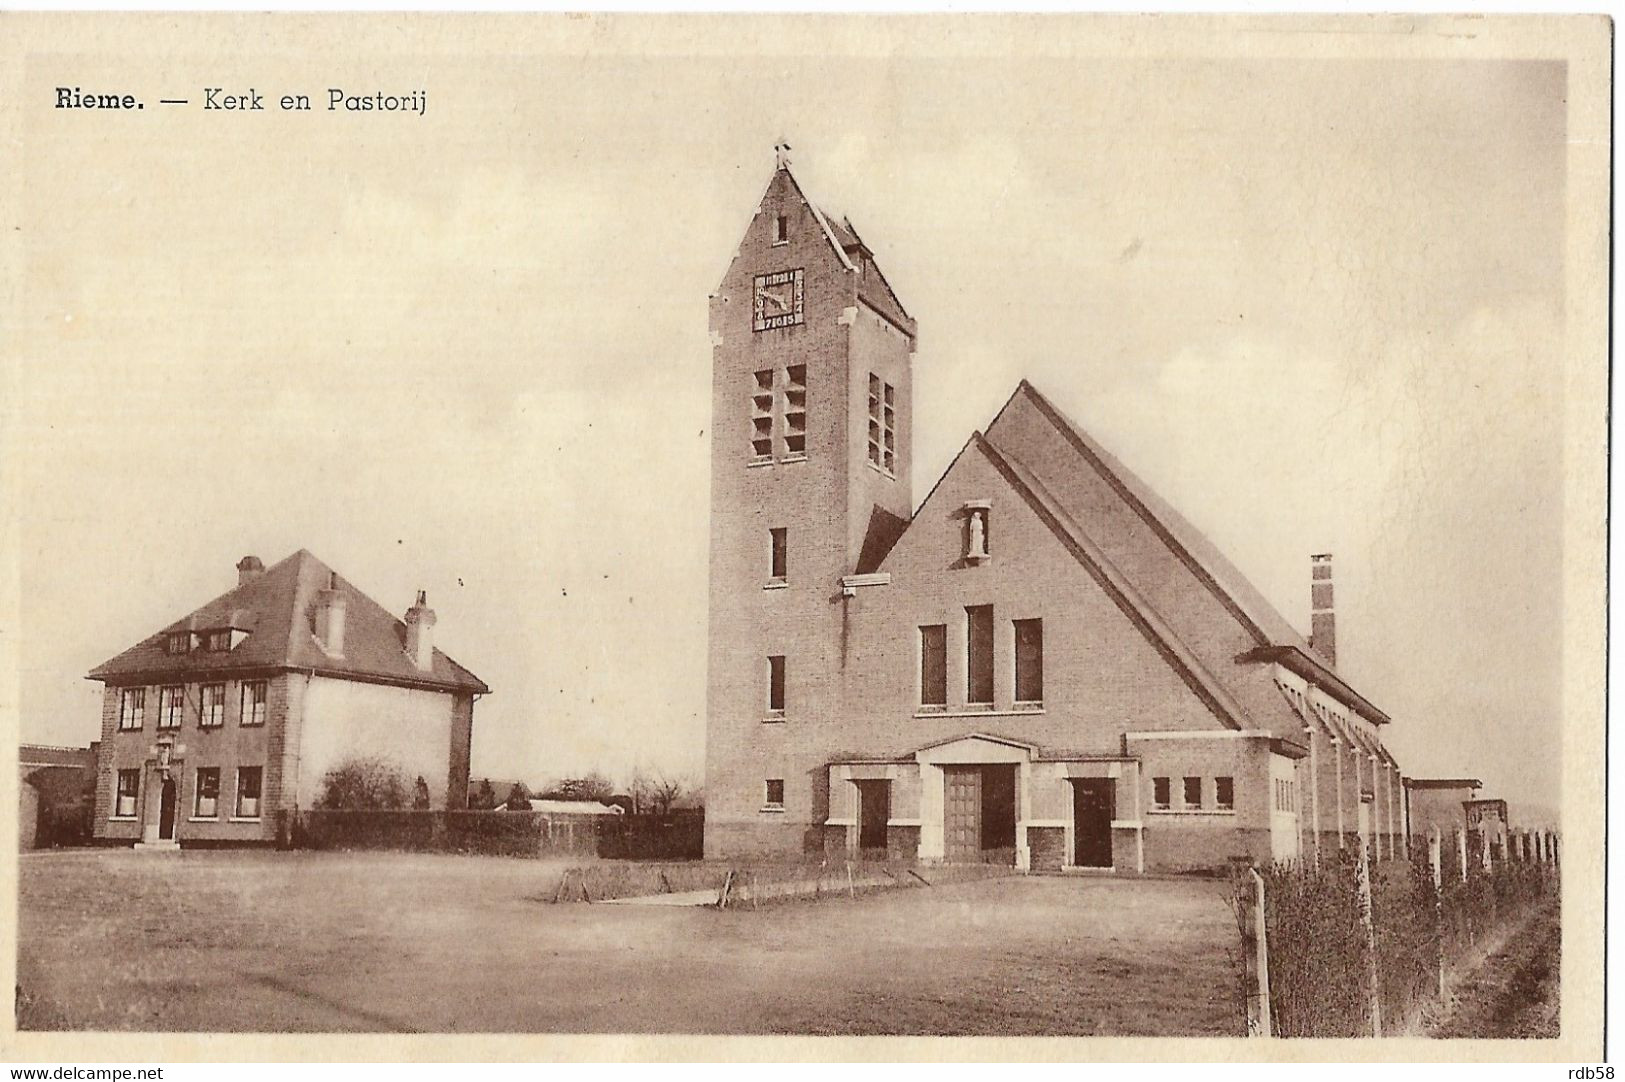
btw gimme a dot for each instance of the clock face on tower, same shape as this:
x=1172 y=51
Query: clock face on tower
x=776 y=300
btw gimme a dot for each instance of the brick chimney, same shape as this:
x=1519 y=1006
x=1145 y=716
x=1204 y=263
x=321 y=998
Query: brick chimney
x=1322 y=617
x=330 y=609
x=420 y=633
x=249 y=568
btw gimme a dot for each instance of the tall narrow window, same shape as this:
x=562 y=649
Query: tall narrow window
x=779 y=559
x=254 y=694
x=129 y=784
x=248 y=792
x=1029 y=661
x=761 y=415
x=781 y=229
x=795 y=410
x=775 y=685
x=979 y=655
x=882 y=424
x=132 y=708
x=207 y=804
x=171 y=701
x=1224 y=793
x=775 y=792
x=1193 y=792
x=1161 y=793
x=934 y=665
x=213 y=714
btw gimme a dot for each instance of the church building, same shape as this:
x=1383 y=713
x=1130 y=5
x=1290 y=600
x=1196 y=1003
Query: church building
x=1041 y=664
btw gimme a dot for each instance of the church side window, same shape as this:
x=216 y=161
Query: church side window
x=934 y=666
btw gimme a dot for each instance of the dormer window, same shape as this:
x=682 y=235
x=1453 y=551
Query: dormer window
x=217 y=642
x=178 y=642
x=976 y=544
x=781 y=230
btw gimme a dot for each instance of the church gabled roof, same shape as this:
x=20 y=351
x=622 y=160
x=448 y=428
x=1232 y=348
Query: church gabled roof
x=1208 y=621
x=274 y=608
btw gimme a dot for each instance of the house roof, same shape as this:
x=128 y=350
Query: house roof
x=276 y=608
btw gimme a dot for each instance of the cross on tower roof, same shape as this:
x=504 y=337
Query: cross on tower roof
x=781 y=154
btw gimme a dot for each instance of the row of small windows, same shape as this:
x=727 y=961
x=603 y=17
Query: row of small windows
x=206 y=793
x=1224 y=794
x=211 y=714
x=183 y=642
x=778 y=412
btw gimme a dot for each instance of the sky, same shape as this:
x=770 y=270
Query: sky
x=1317 y=304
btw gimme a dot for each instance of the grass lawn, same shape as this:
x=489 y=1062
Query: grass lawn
x=387 y=942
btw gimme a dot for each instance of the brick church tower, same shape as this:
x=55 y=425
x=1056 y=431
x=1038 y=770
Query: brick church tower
x=811 y=385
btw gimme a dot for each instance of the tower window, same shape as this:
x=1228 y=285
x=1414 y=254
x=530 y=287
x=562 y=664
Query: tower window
x=775 y=792
x=882 y=424
x=1029 y=661
x=775 y=685
x=781 y=229
x=761 y=415
x=1193 y=792
x=778 y=561
x=1224 y=793
x=1161 y=796
x=795 y=409
x=934 y=665
x=979 y=655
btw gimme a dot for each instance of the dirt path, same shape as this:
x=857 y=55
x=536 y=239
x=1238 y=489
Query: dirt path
x=1513 y=992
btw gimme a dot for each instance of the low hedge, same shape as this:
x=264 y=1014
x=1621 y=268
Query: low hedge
x=501 y=833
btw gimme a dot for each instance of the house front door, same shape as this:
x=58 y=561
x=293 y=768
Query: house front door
x=962 y=814
x=166 y=811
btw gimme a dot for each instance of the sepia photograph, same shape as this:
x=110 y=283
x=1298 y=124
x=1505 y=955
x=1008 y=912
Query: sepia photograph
x=774 y=530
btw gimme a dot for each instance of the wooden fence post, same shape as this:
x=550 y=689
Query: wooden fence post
x=1255 y=955
x=1436 y=862
x=1373 y=987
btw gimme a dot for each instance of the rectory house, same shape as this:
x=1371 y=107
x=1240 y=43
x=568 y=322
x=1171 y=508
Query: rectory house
x=1043 y=663
x=236 y=712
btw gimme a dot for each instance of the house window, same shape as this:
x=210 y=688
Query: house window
x=171 y=701
x=1029 y=661
x=129 y=784
x=761 y=416
x=1224 y=792
x=1161 y=794
x=979 y=655
x=775 y=685
x=213 y=714
x=779 y=558
x=218 y=642
x=207 y=804
x=781 y=229
x=1193 y=792
x=254 y=702
x=178 y=642
x=795 y=410
x=882 y=424
x=132 y=708
x=934 y=665
x=248 y=792
x=775 y=792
